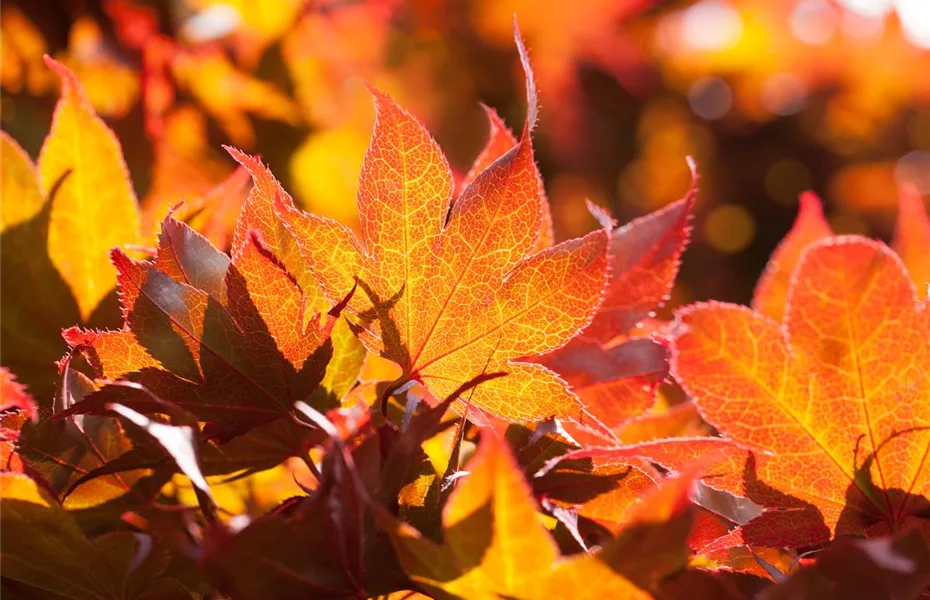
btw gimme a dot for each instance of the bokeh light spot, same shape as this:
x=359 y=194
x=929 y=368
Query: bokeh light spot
x=915 y=21
x=914 y=169
x=813 y=22
x=786 y=179
x=729 y=228
x=711 y=25
x=784 y=94
x=710 y=98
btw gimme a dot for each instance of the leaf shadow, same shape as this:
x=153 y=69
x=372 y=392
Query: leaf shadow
x=239 y=383
x=35 y=303
x=876 y=510
x=380 y=312
x=868 y=509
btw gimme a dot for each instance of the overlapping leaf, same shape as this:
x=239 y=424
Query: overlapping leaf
x=495 y=545
x=449 y=293
x=225 y=339
x=59 y=221
x=827 y=415
x=615 y=374
x=860 y=570
x=912 y=236
x=326 y=545
x=59 y=453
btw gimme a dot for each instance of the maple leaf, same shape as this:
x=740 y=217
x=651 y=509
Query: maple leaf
x=69 y=211
x=451 y=293
x=495 y=545
x=223 y=339
x=234 y=341
x=825 y=416
x=88 y=194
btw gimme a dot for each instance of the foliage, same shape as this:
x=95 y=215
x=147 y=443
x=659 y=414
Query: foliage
x=447 y=404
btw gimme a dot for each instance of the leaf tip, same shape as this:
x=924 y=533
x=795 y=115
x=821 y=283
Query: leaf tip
x=602 y=215
x=532 y=102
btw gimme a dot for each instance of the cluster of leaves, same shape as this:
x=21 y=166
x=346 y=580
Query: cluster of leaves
x=450 y=404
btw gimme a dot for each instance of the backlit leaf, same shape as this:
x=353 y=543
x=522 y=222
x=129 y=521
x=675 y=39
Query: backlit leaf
x=834 y=400
x=247 y=360
x=40 y=303
x=500 y=141
x=258 y=214
x=94 y=206
x=62 y=451
x=14 y=397
x=449 y=294
x=616 y=377
x=18 y=184
x=495 y=545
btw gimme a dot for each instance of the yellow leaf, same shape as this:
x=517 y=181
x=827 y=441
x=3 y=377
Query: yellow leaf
x=94 y=208
x=19 y=187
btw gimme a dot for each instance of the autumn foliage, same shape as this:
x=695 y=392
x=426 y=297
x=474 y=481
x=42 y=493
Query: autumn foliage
x=442 y=401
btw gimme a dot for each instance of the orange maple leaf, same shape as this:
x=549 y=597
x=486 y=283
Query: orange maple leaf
x=449 y=293
x=826 y=416
x=911 y=239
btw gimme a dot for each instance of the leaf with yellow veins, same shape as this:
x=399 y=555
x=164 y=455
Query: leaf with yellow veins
x=450 y=293
x=94 y=208
x=258 y=214
x=832 y=404
x=500 y=140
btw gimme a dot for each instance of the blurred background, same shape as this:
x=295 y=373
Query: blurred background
x=771 y=97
